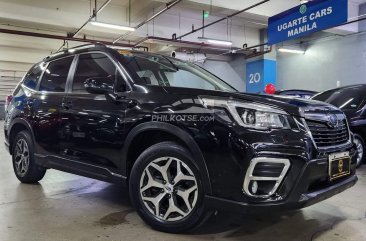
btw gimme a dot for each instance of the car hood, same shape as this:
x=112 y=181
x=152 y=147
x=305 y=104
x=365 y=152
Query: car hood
x=293 y=106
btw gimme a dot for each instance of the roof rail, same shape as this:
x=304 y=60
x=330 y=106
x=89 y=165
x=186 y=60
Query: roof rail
x=71 y=50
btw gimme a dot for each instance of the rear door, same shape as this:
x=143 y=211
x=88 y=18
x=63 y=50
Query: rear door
x=46 y=104
x=92 y=124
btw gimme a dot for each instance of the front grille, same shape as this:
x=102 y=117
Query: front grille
x=325 y=136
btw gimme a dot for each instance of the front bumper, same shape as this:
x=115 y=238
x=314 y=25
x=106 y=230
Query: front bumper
x=294 y=202
x=301 y=188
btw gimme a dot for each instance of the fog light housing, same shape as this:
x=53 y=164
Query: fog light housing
x=264 y=176
x=254 y=187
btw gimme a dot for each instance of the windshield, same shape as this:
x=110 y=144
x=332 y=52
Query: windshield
x=159 y=70
x=348 y=98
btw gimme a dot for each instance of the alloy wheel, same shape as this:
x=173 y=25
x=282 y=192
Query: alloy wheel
x=168 y=189
x=360 y=150
x=21 y=159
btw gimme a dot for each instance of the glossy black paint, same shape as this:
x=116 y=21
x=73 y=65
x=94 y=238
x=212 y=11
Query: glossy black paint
x=100 y=136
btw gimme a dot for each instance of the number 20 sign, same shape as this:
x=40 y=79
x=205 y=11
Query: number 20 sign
x=254 y=78
x=260 y=73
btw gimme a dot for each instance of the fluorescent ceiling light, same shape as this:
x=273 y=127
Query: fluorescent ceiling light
x=293 y=51
x=216 y=41
x=108 y=25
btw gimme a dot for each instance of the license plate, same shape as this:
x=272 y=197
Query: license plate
x=339 y=165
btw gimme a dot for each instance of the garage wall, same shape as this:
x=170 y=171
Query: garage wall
x=324 y=63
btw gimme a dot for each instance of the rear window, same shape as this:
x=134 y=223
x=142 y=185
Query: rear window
x=348 y=98
x=55 y=76
x=32 y=77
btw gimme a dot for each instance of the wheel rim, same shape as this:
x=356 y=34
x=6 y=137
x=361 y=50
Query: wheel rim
x=360 y=151
x=168 y=189
x=21 y=158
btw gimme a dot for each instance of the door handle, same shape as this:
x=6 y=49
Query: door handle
x=128 y=102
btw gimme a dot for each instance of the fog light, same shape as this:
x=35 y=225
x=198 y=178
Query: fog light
x=264 y=176
x=254 y=187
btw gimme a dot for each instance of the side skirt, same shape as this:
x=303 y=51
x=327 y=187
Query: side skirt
x=80 y=168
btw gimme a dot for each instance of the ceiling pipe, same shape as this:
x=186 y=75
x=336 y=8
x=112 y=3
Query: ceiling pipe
x=167 y=7
x=224 y=18
x=95 y=12
x=256 y=54
x=58 y=37
x=174 y=41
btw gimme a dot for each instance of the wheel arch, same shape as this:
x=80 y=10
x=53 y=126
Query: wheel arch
x=167 y=132
x=18 y=125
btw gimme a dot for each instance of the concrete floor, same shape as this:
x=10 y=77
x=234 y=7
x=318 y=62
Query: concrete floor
x=69 y=207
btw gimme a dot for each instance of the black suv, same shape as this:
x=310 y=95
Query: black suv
x=352 y=101
x=185 y=142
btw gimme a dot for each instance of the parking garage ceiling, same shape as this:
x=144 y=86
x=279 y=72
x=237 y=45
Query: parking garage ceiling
x=68 y=15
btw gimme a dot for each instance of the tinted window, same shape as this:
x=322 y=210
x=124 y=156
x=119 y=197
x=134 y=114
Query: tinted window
x=97 y=66
x=32 y=77
x=164 y=71
x=348 y=98
x=55 y=76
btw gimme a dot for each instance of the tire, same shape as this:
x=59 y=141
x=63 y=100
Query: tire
x=175 y=213
x=360 y=144
x=25 y=168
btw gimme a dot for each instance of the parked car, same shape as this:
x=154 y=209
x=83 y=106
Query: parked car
x=352 y=101
x=306 y=94
x=185 y=142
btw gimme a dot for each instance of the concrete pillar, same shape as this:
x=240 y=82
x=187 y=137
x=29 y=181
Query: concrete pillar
x=261 y=71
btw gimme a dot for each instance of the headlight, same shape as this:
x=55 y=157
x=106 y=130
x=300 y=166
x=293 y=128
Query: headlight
x=252 y=115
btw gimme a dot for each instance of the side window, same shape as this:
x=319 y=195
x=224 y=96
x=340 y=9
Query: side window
x=32 y=77
x=55 y=76
x=96 y=66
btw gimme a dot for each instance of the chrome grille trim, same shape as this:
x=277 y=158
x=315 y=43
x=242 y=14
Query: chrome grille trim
x=323 y=136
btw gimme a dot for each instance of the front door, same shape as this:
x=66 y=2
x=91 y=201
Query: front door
x=92 y=124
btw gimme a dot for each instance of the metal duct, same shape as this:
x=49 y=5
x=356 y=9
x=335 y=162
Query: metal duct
x=190 y=57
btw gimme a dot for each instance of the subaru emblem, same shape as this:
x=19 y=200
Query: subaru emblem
x=332 y=120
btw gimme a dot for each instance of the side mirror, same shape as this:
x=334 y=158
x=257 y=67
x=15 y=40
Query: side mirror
x=98 y=85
